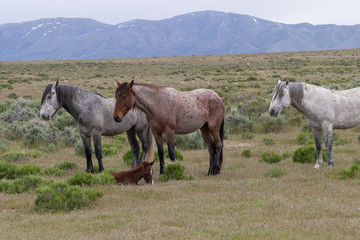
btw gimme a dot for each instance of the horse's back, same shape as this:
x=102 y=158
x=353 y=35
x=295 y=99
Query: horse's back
x=198 y=107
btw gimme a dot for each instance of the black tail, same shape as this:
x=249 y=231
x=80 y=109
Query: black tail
x=222 y=143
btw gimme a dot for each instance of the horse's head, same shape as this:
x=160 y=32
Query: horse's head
x=124 y=100
x=49 y=101
x=280 y=98
x=147 y=172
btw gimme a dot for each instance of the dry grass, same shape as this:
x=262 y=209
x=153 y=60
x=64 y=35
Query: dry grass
x=240 y=203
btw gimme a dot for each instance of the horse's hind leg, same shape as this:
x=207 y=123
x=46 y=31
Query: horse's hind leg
x=87 y=145
x=97 y=145
x=170 y=139
x=218 y=150
x=318 y=143
x=131 y=136
x=211 y=148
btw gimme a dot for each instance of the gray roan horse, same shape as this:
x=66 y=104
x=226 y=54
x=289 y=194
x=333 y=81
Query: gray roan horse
x=93 y=115
x=173 y=112
x=323 y=108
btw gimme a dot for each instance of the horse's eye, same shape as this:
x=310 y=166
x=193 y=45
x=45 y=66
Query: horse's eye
x=124 y=97
x=49 y=96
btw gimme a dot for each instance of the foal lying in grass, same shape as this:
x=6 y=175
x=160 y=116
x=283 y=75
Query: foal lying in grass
x=134 y=175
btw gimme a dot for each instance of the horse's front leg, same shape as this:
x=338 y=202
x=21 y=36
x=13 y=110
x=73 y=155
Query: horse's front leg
x=318 y=143
x=131 y=136
x=328 y=143
x=97 y=145
x=170 y=139
x=159 y=143
x=87 y=145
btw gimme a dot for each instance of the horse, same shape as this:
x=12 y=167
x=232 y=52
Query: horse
x=172 y=112
x=324 y=109
x=93 y=116
x=134 y=175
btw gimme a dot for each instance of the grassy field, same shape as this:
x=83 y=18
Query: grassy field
x=248 y=200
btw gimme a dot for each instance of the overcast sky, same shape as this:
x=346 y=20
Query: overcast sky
x=342 y=12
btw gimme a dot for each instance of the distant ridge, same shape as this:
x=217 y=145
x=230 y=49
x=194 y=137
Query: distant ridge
x=199 y=33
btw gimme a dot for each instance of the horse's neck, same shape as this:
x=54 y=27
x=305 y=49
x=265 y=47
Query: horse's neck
x=296 y=94
x=69 y=100
x=143 y=98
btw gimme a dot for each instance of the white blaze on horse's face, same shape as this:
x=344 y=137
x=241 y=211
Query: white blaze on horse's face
x=280 y=98
x=50 y=104
x=152 y=179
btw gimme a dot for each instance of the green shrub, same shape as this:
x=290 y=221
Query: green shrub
x=18 y=156
x=174 y=171
x=34 y=135
x=109 y=149
x=268 y=141
x=59 y=196
x=49 y=148
x=66 y=166
x=15 y=130
x=353 y=172
x=27 y=169
x=270 y=157
x=5 y=185
x=22 y=110
x=79 y=148
x=4 y=106
x=21 y=185
x=307 y=154
x=267 y=124
x=246 y=153
x=236 y=122
x=88 y=179
x=127 y=157
x=53 y=172
x=7 y=170
x=190 y=141
x=62 y=120
x=337 y=140
x=13 y=96
x=276 y=173
x=304 y=137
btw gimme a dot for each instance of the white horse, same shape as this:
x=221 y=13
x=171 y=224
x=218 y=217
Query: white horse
x=324 y=109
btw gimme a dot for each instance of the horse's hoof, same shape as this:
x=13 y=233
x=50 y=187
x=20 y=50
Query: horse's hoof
x=317 y=166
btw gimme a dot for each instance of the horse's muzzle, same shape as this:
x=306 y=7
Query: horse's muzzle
x=273 y=113
x=45 y=117
x=117 y=119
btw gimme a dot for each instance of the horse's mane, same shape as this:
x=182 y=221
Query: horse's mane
x=296 y=92
x=63 y=90
x=150 y=86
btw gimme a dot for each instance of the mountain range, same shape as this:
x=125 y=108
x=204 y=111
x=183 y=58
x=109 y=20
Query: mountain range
x=198 y=33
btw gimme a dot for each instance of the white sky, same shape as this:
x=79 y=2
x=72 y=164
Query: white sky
x=342 y=12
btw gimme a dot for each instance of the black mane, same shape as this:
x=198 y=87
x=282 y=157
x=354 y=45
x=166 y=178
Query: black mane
x=63 y=91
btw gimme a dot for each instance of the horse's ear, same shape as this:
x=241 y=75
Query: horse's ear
x=287 y=82
x=279 y=81
x=57 y=82
x=152 y=163
x=118 y=83
x=130 y=84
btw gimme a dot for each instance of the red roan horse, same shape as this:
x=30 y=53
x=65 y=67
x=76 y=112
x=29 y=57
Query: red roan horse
x=132 y=176
x=172 y=112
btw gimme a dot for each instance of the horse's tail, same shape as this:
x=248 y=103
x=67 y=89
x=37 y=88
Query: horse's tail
x=222 y=142
x=149 y=157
